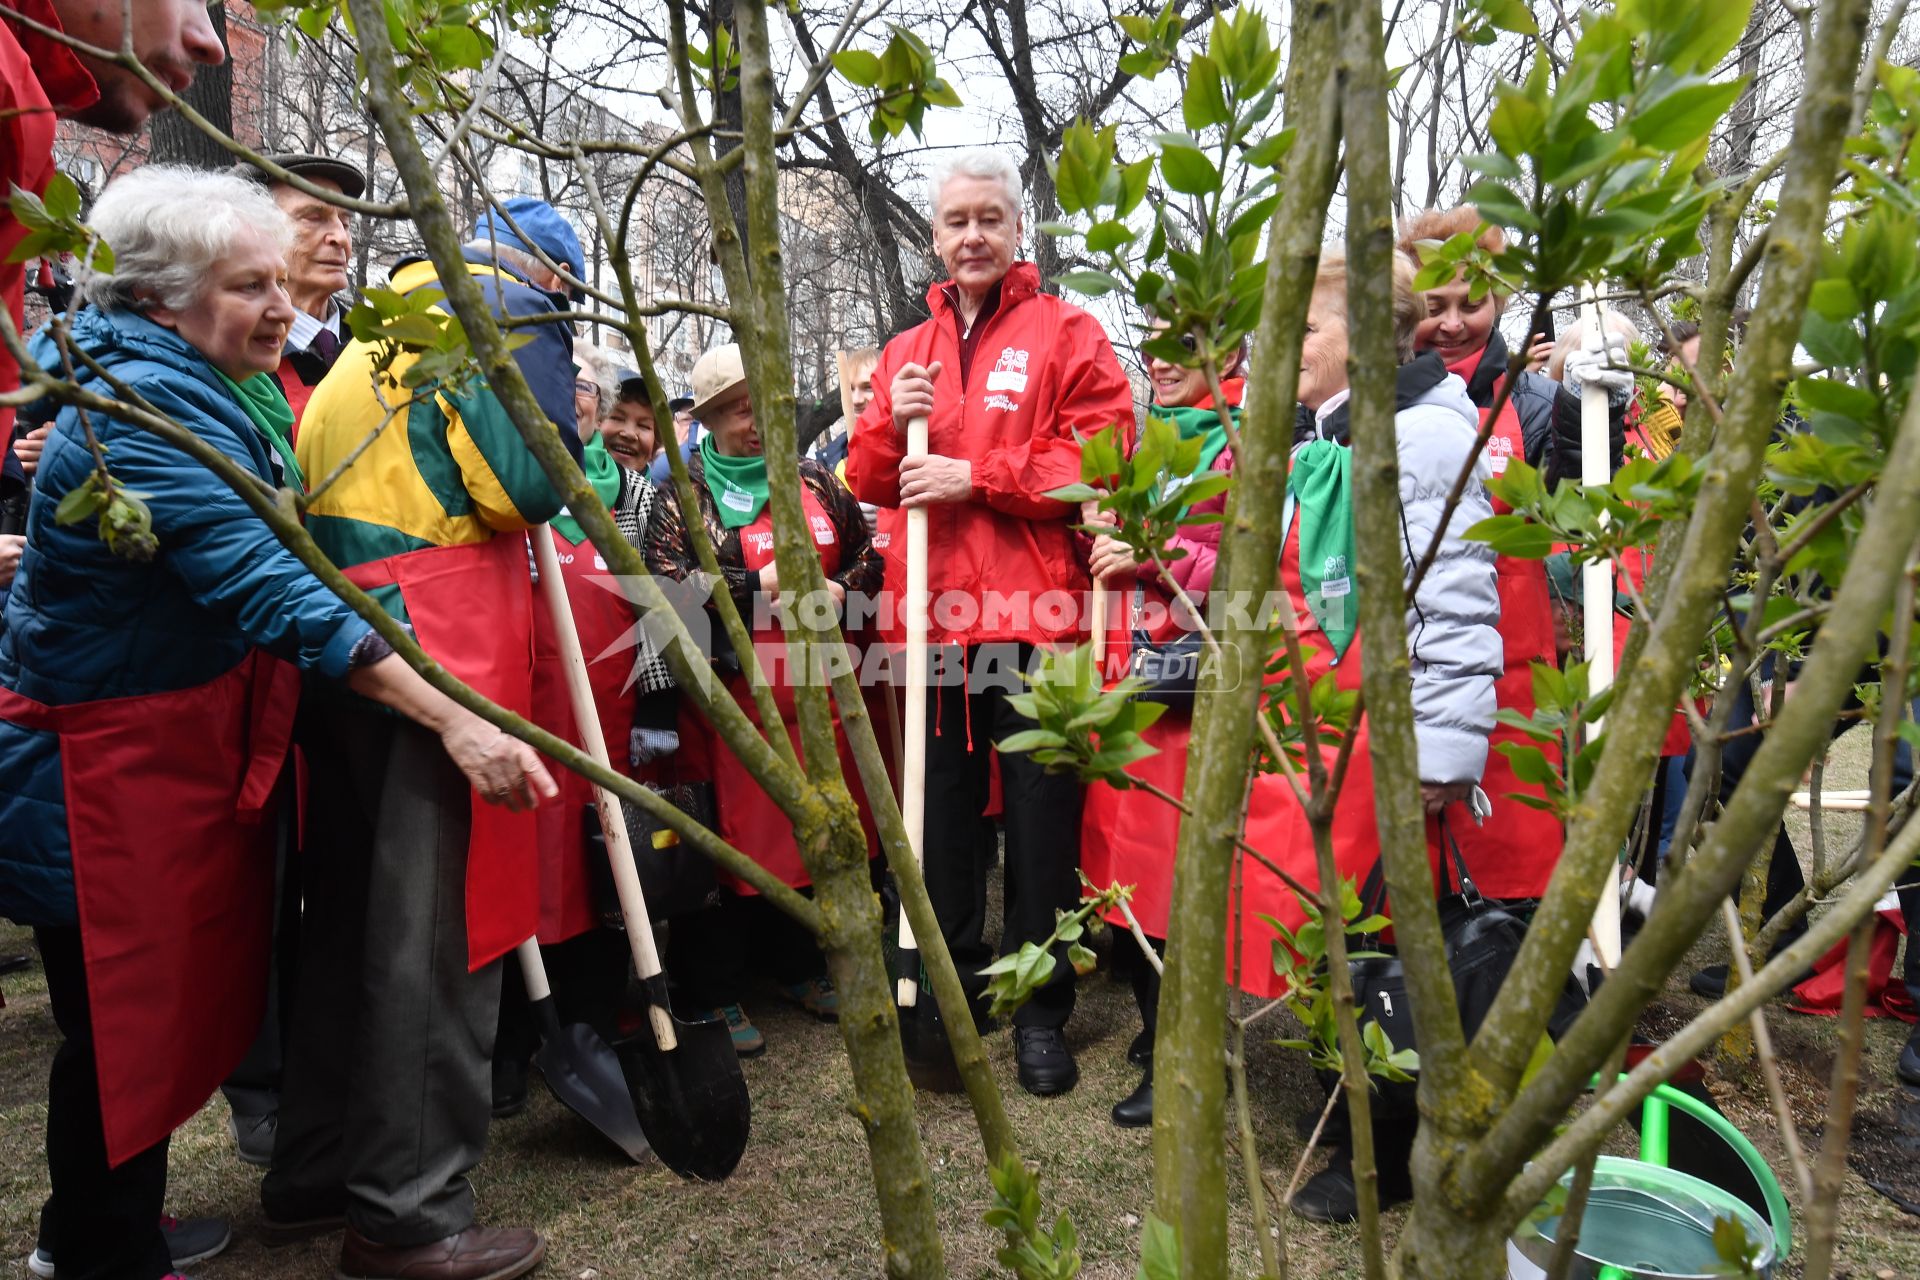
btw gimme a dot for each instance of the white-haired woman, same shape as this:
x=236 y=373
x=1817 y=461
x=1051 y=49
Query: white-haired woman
x=146 y=698
x=596 y=386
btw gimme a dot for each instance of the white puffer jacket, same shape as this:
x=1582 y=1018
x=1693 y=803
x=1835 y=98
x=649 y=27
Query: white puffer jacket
x=1453 y=621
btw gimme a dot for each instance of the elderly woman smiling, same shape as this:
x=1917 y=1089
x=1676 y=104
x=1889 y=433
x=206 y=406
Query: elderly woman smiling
x=145 y=706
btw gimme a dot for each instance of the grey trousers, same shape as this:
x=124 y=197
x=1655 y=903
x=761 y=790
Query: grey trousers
x=387 y=1090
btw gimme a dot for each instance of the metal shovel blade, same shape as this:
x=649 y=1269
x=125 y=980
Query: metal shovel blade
x=923 y=1041
x=692 y=1101
x=584 y=1074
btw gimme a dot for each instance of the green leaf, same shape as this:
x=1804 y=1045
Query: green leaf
x=1188 y=171
x=1511 y=15
x=1500 y=206
x=857 y=66
x=1204 y=104
x=62 y=198
x=1269 y=152
x=1093 y=284
x=80 y=502
x=1826 y=395
x=1030 y=740
x=1686 y=114
x=1159 y=1251
x=1518 y=125
x=1105 y=237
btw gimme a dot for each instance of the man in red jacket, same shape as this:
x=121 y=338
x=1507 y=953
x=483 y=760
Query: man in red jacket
x=42 y=79
x=1006 y=376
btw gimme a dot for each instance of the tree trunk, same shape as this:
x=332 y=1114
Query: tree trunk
x=175 y=140
x=1189 y=1129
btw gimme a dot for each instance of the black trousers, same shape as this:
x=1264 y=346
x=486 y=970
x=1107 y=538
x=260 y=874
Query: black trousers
x=1041 y=814
x=253 y=1090
x=99 y=1223
x=713 y=953
x=588 y=975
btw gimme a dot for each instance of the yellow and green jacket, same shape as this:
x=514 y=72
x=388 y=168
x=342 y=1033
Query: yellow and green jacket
x=449 y=469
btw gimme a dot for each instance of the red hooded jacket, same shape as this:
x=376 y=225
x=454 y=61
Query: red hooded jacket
x=38 y=77
x=1042 y=372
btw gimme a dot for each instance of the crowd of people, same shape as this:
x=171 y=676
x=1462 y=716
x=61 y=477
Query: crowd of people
x=260 y=853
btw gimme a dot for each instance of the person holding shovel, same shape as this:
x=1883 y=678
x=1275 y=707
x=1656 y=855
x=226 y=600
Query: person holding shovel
x=729 y=474
x=1008 y=377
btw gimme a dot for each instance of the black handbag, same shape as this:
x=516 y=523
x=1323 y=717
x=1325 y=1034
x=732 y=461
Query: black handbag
x=675 y=877
x=1170 y=671
x=1482 y=938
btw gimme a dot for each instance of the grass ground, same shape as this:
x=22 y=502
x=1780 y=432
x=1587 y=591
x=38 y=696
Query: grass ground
x=800 y=1204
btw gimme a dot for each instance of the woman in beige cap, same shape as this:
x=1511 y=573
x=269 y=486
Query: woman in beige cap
x=713 y=948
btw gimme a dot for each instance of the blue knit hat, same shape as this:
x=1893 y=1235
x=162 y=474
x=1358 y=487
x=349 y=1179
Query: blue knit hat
x=541 y=222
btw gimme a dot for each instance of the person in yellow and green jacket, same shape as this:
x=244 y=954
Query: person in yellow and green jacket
x=414 y=888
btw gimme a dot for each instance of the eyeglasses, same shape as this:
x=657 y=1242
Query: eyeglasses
x=1186 y=340
x=581 y=387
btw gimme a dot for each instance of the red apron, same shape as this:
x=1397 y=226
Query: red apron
x=472 y=609
x=1513 y=854
x=167 y=802
x=749 y=820
x=1634 y=562
x=1130 y=837
x=604 y=620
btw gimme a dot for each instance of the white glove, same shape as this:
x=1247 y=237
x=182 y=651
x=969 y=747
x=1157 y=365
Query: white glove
x=647 y=745
x=1592 y=367
x=1636 y=898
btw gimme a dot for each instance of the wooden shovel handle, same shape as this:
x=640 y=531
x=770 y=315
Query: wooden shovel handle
x=1097 y=626
x=913 y=765
x=626 y=878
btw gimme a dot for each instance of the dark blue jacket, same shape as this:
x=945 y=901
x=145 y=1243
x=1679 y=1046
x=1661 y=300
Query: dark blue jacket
x=83 y=624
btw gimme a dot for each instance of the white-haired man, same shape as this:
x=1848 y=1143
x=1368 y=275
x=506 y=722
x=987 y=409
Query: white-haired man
x=1007 y=376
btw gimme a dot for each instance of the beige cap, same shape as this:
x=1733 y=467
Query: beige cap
x=717 y=375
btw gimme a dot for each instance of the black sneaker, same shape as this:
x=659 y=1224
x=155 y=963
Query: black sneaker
x=1711 y=982
x=1046 y=1065
x=1908 y=1067
x=1140 y=1050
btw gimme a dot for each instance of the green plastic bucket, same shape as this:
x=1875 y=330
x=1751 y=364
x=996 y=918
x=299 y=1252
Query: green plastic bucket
x=1643 y=1222
x=1655 y=1223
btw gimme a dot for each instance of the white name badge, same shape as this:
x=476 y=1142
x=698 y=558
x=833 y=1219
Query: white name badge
x=737 y=500
x=1335 y=587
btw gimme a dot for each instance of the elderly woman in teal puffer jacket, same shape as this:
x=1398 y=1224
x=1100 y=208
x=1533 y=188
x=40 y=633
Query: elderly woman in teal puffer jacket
x=146 y=703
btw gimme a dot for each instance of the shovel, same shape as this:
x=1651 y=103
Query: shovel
x=577 y=1064
x=923 y=1035
x=683 y=1078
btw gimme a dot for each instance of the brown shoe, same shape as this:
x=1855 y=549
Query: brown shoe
x=478 y=1253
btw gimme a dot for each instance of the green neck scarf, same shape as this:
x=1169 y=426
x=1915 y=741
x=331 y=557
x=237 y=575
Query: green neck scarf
x=263 y=401
x=1191 y=423
x=1320 y=482
x=603 y=473
x=738 y=485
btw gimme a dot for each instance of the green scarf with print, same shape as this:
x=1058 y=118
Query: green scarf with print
x=603 y=473
x=738 y=485
x=1191 y=423
x=1320 y=481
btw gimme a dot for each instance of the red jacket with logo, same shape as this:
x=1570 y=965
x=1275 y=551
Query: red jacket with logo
x=1042 y=372
x=38 y=76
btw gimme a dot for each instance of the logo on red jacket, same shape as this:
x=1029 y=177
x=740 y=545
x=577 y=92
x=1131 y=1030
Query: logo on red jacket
x=1499 y=452
x=1009 y=372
